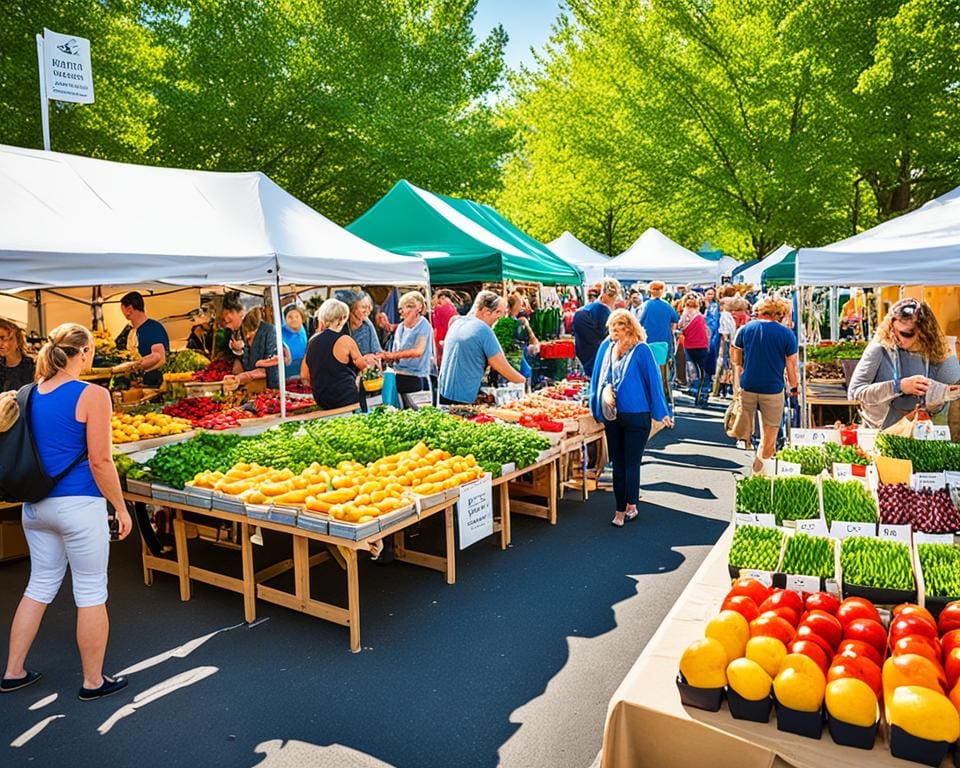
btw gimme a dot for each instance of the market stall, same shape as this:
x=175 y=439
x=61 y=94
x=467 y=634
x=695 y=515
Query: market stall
x=654 y=256
x=581 y=255
x=753 y=274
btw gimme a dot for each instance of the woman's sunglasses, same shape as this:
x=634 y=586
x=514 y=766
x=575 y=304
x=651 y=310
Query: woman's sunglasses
x=907 y=309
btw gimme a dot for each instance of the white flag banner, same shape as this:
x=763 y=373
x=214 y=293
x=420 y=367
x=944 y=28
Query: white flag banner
x=67 y=70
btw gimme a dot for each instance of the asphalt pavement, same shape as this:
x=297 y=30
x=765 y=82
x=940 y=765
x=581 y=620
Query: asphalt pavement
x=513 y=665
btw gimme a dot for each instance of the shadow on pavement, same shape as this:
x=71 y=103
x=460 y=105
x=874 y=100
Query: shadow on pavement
x=683 y=490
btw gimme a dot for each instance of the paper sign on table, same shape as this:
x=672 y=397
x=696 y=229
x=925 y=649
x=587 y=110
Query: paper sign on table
x=952 y=478
x=832 y=586
x=933 y=538
x=803 y=583
x=933 y=481
x=842 y=471
x=867 y=438
x=894 y=532
x=817 y=527
x=764 y=577
x=841 y=529
x=814 y=436
x=788 y=469
x=475 y=511
x=927 y=430
x=764 y=521
x=769 y=467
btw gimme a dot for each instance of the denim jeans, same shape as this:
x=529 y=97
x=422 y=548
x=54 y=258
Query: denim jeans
x=626 y=439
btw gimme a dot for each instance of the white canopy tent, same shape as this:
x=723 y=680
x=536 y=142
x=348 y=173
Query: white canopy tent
x=728 y=264
x=581 y=255
x=654 y=256
x=754 y=274
x=67 y=221
x=917 y=248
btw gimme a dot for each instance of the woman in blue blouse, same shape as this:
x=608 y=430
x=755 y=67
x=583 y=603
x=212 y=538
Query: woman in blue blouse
x=412 y=349
x=626 y=363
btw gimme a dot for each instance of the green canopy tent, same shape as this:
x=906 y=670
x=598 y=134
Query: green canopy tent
x=462 y=241
x=781 y=274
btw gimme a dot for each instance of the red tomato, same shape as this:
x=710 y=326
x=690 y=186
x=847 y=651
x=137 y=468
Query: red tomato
x=856 y=608
x=859 y=648
x=784 y=613
x=950 y=640
x=823 y=601
x=814 y=651
x=860 y=668
x=912 y=624
x=951 y=665
x=742 y=605
x=824 y=625
x=949 y=617
x=915 y=644
x=773 y=626
x=806 y=632
x=749 y=588
x=869 y=631
x=912 y=609
x=783 y=598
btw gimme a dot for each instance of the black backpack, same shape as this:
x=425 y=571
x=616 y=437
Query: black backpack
x=22 y=476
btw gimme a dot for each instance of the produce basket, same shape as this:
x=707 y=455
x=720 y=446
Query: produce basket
x=373 y=385
x=203 y=388
x=879 y=595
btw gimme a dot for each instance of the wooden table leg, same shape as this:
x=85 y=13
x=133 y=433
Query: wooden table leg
x=552 y=491
x=301 y=568
x=353 y=596
x=147 y=571
x=451 y=546
x=505 y=532
x=183 y=556
x=584 y=461
x=249 y=579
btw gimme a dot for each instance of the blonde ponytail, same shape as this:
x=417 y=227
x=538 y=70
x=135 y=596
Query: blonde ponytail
x=65 y=342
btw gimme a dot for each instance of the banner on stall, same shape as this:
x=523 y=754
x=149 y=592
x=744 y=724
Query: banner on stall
x=67 y=71
x=475 y=511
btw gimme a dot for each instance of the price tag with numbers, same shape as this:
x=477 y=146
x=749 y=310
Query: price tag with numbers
x=841 y=529
x=764 y=521
x=842 y=471
x=788 y=469
x=941 y=432
x=816 y=527
x=803 y=583
x=933 y=481
x=933 y=538
x=764 y=577
x=894 y=532
x=814 y=436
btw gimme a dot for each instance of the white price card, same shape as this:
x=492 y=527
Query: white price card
x=933 y=481
x=894 y=532
x=817 y=527
x=814 y=436
x=832 y=586
x=841 y=529
x=764 y=577
x=952 y=478
x=867 y=438
x=941 y=432
x=764 y=521
x=842 y=471
x=475 y=511
x=788 y=469
x=923 y=430
x=933 y=538
x=803 y=583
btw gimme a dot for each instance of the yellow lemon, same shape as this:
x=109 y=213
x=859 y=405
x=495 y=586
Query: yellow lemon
x=704 y=663
x=852 y=701
x=924 y=713
x=748 y=679
x=802 y=691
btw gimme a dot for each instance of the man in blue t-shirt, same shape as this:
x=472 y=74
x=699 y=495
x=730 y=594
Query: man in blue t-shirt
x=469 y=347
x=762 y=350
x=659 y=320
x=590 y=324
x=152 y=340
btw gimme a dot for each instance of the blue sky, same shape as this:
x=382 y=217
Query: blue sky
x=527 y=22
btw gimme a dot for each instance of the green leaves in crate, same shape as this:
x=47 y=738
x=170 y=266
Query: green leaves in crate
x=755 y=547
x=753 y=495
x=876 y=563
x=814 y=459
x=807 y=555
x=940 y=564
x=849 y=501
x=795 y=498
x=926 y=455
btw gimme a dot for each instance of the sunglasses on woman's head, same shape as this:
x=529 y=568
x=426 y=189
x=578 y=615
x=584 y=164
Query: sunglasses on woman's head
x=909 y=308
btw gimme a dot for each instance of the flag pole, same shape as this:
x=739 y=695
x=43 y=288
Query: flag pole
x=44 y=104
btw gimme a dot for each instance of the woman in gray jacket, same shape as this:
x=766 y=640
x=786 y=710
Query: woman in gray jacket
x=907 y=365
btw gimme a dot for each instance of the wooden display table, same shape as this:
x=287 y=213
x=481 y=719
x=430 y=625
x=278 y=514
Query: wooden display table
x=820 y=395
x=251 y=585
x=543 y=483
x=648 y=726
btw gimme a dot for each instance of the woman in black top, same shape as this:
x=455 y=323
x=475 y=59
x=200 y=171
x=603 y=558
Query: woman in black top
x=333 y=362
x=16 y=365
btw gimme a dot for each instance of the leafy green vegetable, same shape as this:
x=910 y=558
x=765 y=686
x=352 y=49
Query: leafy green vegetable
x=941 y=569
x=845 y=350
x=795 y=498
x=808 y=556
x=755 y=547
x=876 y=563
x=926 y=455
x=754 y=495
x=848 y=501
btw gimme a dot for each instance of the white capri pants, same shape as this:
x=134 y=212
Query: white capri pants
x=62 y=530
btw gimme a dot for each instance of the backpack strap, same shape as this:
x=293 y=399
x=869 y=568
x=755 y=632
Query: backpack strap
x=25 y=400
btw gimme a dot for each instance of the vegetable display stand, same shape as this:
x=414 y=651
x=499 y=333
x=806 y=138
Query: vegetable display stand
x=252 y=584
x=575 y=470
x=540 y=481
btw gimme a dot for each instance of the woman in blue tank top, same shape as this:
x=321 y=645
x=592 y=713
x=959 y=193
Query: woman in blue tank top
x=70 y=419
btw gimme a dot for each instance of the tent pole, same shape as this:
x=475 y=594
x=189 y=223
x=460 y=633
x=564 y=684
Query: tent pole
x=278 y=329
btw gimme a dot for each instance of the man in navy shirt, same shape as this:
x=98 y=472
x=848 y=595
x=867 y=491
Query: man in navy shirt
x=590 y=324
x=152 y=340
x=762 y=350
